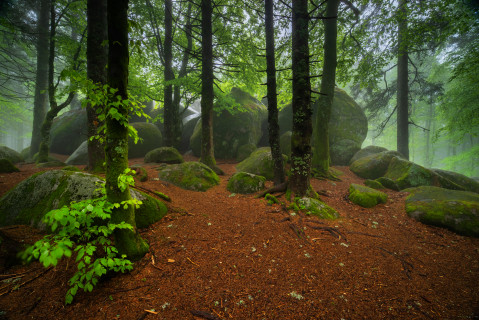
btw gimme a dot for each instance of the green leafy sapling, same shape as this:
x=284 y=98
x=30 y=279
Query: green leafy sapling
x=83 y=230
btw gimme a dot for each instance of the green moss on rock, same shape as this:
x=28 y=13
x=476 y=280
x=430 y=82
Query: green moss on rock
x=10 y=154
x=150 y=136
x=373 y=184
x=259 y=163
x=366 y=197
x=244 y=183
x=407 y=174
x=455 y=210
x=388 y=183
x=164 y=155
x=194 y=176
x=31 y=199
x=317 y=208
x=6 y=166
x=466 y=183
x=373 y=166
x=68 y=132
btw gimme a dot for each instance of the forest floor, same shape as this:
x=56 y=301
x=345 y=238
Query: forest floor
x=222 y=256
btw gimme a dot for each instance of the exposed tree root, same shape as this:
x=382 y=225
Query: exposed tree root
x=275 y=189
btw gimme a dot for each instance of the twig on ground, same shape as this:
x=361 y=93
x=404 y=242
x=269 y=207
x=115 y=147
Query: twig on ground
x=204 y=314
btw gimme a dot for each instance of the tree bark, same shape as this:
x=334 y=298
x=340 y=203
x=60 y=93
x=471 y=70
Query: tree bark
x=97 y=59
x=40 y=104
x=402 y=83
x=207 y=78
x=302 y=111
x=321 y=155
x=116 y=147
x=171 y=114
x=273 y=126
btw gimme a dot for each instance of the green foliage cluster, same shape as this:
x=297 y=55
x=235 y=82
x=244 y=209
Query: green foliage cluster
x=83 y=230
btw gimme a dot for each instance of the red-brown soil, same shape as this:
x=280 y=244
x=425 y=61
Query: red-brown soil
x=224 y=256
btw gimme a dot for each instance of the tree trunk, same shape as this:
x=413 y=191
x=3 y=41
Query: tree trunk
x=273 y=126
x=402 y=83
x=184 y=65
x=321 y=155
x=429 y=152
x=116 y=147
x=171 y=114
x=302 y=111
x=40 y=104
x=97 y=59
x=207 y=78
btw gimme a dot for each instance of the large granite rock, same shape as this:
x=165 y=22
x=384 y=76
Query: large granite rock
x=366 y=197
x=234 y=125
x=406 y=174
x=467 y=183
x=374 y=165
x=10 y=154
x=164 y=155
x=151 y=138
x=455 y=210
x=31 y=199
x=245 y=183
x=79 y=156
x=367 y=151
x=189 y=175
x=6 y=166
x=260 y=162
x=68 y=132
x=348 y=126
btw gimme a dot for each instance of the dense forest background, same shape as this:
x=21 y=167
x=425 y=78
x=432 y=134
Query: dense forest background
x=435 y=41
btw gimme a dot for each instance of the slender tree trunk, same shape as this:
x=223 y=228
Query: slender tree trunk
x=55 y=108
x=116 y=147
x=97 y=59
x=402 y=83
x=40 y=104
x=207 y=94
x=184 y=64
x=171 y=114
x=321 y=155
x=429 y=120
x=302 y=111
x=273 y=126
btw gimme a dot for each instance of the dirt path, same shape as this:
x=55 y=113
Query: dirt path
x=235 y=257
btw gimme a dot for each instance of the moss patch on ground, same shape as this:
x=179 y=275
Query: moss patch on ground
x=317 y=208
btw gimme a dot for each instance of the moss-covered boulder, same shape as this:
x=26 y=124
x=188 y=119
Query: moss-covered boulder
x=374 y=165
x=260 y=162
x=244 y=183
x=467 y=183
x=194 y=176
x=245 y=151
x=25 y=154
x=407 y=174
x=455 y=210
x=367 y=151
x=189 y=125
x=317 y=208
x=373 y=184
x=388 y=183
x=79 y=156
x=31 y=199
x=6 y=166
x=10 y=154
x=366 y=197
x=51 y=163
x=164 y=155
x=348 y=126
x=150 y=136
x=235 y=123
x=68 y=132
x=285 y=143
